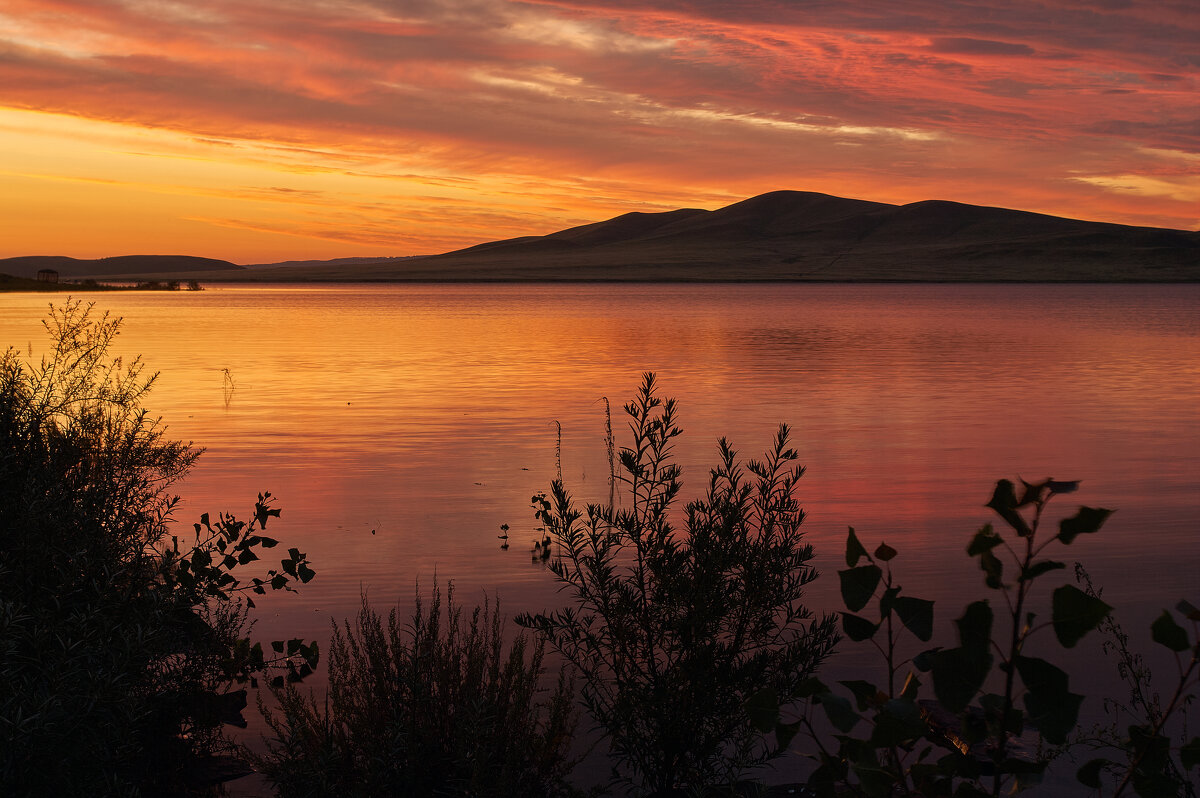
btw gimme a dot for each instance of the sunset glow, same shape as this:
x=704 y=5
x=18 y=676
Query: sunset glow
x=274 y=130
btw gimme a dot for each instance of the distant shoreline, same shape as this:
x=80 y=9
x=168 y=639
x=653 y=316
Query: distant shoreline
x=778 y=237
x=81 y=288
x=10 y=284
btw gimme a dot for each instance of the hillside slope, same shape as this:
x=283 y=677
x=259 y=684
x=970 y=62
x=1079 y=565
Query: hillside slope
x=790 y=236
x=132 y=265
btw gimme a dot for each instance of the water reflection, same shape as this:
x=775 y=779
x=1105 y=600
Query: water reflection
x=424 y=413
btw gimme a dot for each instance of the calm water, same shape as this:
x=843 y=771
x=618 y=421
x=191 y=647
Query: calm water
x=426 y=413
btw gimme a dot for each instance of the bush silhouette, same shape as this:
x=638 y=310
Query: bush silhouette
x=118 y=649
x=672 y=630
x=432 y=707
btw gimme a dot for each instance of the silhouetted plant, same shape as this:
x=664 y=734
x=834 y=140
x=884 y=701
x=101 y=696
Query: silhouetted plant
x=963 y=743
x=672 y=630
x=884 y=762
x=432 y=707
x=959 y=673
x=610 y=446
x=204 y=573
x=1140 y=734
x=115 y=659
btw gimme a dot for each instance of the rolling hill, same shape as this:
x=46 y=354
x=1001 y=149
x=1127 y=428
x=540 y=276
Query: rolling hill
x=793 y=236
x=790 y=235
x=127 y=265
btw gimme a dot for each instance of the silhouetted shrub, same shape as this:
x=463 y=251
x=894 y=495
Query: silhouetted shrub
x=1146 y=746
x=999 y=715
x=432 y=707
x=671 y=630
x=117 y=650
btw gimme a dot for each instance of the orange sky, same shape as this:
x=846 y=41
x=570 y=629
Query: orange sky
x=278 y=129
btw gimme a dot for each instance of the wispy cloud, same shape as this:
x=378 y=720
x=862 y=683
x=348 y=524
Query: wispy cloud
x=646 y=103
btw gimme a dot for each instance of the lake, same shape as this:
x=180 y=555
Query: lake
x=401 y=425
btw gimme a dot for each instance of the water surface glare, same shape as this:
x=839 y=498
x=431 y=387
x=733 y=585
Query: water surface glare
x=426 y=413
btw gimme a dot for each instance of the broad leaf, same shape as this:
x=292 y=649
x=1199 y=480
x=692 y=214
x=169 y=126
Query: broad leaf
x=1188 y=610
x=975 y=627
x=1052 y=707
x=1004 y=496
x=1075 y=613
x=916 y=615
x=1084 y=522
x=812 y=686
x=858 y=585
x=854 y=549
x=899 y=722
x=1031 y=492
x=857 y=628
x=993 y=568
x=959 y=673
x=884 y=552
x=1039 y=568
x=1004 y=502
x=866 y=694
x=957 y=676
x=985 y=539
x=786 y=732
x=839 y=712
x=923 y=661
x=886 y=601
x=1166 y=632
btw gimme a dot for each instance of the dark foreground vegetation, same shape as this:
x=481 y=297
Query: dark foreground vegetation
x=434 y=706
x=685 y=636
x=120 y=647
x=10 y=283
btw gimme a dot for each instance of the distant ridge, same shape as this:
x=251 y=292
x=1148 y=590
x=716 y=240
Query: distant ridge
x=805 y=236
x=356 y=261
x=790 y=236
x=30 y=265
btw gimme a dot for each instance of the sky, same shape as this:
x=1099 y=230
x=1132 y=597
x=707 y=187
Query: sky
x=265 y=130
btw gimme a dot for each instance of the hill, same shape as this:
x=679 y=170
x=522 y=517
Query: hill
x=126 y=265
x=11 y=283
x=356 y=261
x=788 y=236
x=791 y=235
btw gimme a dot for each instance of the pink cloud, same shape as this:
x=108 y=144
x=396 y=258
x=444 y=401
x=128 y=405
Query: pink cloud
x=898 y=101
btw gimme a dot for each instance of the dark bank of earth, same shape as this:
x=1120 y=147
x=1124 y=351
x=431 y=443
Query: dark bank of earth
x=130 y=266
x=786 y=236
x=790 y=235
x=10 y=284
